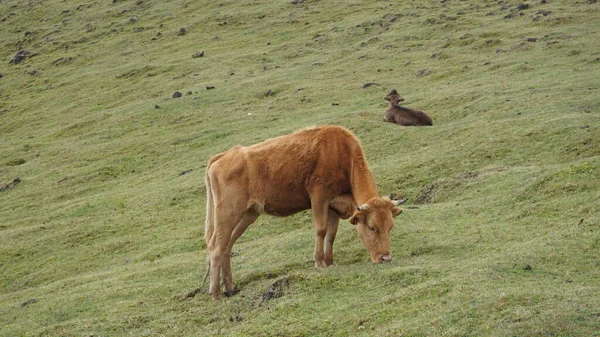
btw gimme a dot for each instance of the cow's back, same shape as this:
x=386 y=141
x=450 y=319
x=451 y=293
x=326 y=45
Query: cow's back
x=276 y=176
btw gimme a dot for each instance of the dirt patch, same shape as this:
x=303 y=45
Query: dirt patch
x=185 y=296
x=185 y=172
x=433 y=192
x=21 y=56
x=369 y=84
x=10 y=185
x=28 y=302
x=277 y=289
x=423 y=73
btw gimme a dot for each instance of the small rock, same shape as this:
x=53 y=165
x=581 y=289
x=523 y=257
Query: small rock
x=198 y=54
x=268 y=294
x=209 y=87
x=20 y=56
x=369 y=84
x=185 y=172
x=177 y=94
x=423 y=72
x=527 y=267
x=156 y=106
x=28 y=302
x=531 y=39
x=182 y=31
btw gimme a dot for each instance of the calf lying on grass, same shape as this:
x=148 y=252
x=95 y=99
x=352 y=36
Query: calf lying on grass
x=404 y=116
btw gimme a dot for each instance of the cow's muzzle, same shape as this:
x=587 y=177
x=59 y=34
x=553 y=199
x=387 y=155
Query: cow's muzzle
x=386 y=257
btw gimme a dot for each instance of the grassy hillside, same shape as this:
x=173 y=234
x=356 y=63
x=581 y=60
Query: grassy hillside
x=101 y=234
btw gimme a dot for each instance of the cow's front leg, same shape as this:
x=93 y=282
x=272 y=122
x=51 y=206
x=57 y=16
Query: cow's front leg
x=332 y=226
x=320 y=216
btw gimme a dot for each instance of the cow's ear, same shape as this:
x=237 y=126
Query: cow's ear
x=396 y=211
x=358 y=216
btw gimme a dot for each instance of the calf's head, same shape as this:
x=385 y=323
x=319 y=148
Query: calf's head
x=374 y=221
x=393 y=97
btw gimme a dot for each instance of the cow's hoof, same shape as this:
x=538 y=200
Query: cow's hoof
x=231 y=292
x=320 y=264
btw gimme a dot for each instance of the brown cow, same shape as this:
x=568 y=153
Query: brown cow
x=404 y=116
x=323 y=169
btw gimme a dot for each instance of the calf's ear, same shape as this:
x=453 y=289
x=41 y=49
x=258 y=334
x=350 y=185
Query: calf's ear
x=396 y=211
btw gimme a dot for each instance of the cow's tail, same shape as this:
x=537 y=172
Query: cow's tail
x=209 y=226
x=210 y=218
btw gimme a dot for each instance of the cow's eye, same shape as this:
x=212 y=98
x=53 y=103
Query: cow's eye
x=372 y=229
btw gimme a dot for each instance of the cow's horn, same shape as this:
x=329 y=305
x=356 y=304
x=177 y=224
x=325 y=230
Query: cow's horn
x=363 y=207
x=399 y=202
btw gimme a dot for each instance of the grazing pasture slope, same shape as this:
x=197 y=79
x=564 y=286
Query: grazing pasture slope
x=102 y=195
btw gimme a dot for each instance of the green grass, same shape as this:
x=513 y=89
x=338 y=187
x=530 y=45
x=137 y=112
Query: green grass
x=103 y=235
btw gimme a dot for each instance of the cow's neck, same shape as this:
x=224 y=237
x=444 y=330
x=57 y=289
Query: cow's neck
x=363 y=184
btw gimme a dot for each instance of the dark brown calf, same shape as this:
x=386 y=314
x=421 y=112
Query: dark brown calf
x=404 y=116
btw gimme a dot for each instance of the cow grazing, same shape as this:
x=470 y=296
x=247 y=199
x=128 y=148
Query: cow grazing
x=401 y=115
x=323 y=169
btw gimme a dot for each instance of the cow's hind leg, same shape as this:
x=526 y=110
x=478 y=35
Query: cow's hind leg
x=247 y=219
x=332 y=226
x=225 y=221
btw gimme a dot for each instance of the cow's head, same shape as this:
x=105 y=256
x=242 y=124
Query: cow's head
x=374 y=221
x=393 y=97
